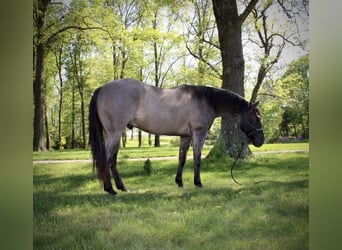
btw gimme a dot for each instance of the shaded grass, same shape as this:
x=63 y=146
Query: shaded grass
x=72 y=212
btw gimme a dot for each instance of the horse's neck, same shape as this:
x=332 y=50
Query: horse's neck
x=229 y=103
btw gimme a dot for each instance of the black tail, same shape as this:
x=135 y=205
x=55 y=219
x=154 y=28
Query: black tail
x=96 y=139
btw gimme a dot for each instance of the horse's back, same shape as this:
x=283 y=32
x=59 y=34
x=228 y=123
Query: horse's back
x=122 y=86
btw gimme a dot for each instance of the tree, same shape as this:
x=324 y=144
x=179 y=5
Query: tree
x=295 y=93
x=80 y=72
x=229 y=25
x=50 y=19
x=202 y=42
x=272 y=35
x=58 y=53
x=146 y=40
x=40 y=16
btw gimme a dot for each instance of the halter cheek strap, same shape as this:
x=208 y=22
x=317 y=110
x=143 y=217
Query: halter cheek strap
x=255 y=130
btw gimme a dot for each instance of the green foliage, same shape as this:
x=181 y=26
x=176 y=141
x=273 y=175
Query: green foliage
x=285 y=103
x=295 y=86
x=71 y=210
x=104 y=40
x=271 y=117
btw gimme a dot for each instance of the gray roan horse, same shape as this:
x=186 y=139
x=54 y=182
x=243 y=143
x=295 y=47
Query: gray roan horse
x=186 y=111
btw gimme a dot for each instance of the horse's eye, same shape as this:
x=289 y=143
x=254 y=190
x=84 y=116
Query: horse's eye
x=257 y=113
x=258 y=116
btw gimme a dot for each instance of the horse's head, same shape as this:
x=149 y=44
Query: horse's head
x=251 y=125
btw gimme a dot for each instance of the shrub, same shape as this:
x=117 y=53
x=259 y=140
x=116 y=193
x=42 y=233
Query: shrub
x=148 y=167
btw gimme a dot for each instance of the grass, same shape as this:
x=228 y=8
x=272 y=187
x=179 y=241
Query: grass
x=166 y=149
x=72 y=212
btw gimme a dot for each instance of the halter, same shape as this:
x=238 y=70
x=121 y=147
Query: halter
x=255 y=130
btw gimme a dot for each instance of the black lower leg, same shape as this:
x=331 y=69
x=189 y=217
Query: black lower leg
x=183 y=149
x=178 y=178
x=197 y=178
x=118 y=182
x=107 y=186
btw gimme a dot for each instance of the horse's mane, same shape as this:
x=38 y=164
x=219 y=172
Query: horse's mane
x=220 y=99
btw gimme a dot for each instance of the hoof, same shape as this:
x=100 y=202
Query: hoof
x=110 y=191
x=179 y=183
x=198 y=184
x=124 y=189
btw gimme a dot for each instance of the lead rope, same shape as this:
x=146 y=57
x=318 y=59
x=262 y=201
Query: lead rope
x=231 y=169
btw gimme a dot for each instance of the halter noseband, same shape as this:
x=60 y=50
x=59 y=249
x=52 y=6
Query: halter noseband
x=255 y=130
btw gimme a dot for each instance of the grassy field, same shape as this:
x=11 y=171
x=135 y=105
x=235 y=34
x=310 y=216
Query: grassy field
x=72 y=212
x=166 y=149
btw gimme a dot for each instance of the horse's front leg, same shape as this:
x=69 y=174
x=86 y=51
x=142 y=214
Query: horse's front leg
x=183 y=149
x=198 y=142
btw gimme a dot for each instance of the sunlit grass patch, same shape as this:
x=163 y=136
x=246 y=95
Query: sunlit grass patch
x=166 y=149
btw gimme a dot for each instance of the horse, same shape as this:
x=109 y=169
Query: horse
x=187 y=111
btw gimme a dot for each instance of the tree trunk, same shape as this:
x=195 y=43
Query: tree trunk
x=47 y=131
x=124 y=60
x=38 y=95
x=156 y=69
x=149 y=139
x=73 y=122
x=229 y=30
x=139 y=130
x=157 y=141
x=156 y=80
x=84 y=141
x=139 y=138
x=40 y=11
x=124 y=138
x=59 y=67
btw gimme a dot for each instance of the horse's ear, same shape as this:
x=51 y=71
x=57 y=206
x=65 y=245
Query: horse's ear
x=255 y=104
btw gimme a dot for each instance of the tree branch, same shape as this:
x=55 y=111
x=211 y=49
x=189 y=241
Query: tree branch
x=53 y=36
x=272 y=95
x=281 y=3
x=248 y=10
x=205 y=61
x=285 y=39
x=212 y=44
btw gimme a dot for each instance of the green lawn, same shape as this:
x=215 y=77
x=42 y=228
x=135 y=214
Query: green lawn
x=72 y=212
x=166 y=149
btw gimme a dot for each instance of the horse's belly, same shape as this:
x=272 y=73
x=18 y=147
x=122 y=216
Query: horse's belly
x=163 y=126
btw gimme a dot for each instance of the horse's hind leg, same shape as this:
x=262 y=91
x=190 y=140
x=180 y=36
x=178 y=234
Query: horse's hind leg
x=112 y=145
x=183 y=149
x=112 y=148
x=107 y=185
x=118 y=182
